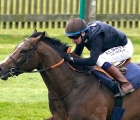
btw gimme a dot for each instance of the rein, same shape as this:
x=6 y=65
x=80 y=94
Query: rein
x=14 y=70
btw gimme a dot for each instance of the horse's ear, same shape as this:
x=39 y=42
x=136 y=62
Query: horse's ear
x=40 y=37
x=35 y=30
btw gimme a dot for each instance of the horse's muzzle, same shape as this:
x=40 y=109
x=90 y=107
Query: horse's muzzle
x=5 y=76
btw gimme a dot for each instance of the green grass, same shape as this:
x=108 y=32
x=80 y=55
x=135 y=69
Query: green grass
x=23 y=111
x=25 y=97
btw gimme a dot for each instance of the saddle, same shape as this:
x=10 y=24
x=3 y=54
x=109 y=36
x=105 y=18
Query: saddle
x=120 y=67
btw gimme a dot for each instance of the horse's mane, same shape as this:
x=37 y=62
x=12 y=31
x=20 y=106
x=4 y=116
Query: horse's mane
x=53 y=42
x=59 y=47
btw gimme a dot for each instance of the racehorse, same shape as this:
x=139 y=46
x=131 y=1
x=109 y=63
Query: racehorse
x=72 y=95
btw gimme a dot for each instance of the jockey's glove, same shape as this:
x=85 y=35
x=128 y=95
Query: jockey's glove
x=67 y=57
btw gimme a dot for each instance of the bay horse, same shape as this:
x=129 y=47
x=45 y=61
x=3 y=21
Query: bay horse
x=72 y=95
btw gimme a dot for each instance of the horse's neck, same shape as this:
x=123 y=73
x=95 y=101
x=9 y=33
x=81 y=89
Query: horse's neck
x=57 y=79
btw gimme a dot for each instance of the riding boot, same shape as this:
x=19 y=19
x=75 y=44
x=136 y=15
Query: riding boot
x=125 y=85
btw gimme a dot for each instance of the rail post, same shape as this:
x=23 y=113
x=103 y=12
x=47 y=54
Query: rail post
x=82 y=9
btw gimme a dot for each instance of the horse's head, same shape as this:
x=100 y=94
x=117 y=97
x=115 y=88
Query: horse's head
x=24 y=55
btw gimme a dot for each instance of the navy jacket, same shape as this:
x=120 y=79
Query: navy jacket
x=99 y=38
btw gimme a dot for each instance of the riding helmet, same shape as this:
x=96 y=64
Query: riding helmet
x=75 y=26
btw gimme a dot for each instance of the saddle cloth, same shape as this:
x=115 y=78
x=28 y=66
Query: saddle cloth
x=132 y=75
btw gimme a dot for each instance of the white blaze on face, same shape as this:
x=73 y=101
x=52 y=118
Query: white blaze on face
x=18 y=47
x=12 y=53
x=4 y=60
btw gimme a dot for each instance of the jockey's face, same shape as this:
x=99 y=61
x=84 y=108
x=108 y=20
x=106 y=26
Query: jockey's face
x=78 y=40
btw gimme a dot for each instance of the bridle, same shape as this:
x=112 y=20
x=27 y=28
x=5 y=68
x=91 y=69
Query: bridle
x=15 y=70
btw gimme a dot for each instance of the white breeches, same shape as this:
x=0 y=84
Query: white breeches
x=116 y=54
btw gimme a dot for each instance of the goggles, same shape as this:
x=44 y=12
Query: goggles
x=75 y=36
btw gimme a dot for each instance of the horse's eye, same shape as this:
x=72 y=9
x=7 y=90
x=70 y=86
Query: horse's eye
x=23 y=51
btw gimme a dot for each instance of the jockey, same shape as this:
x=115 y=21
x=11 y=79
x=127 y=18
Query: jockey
x=106 y=44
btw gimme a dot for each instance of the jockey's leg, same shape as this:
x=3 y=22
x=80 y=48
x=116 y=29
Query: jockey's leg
x=126 y=86
x=117 y=54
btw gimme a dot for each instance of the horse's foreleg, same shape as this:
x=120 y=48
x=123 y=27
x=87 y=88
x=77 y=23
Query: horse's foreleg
x=51 y=118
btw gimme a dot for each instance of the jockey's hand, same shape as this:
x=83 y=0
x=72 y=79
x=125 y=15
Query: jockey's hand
x=123 y=70
x=68 y=57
